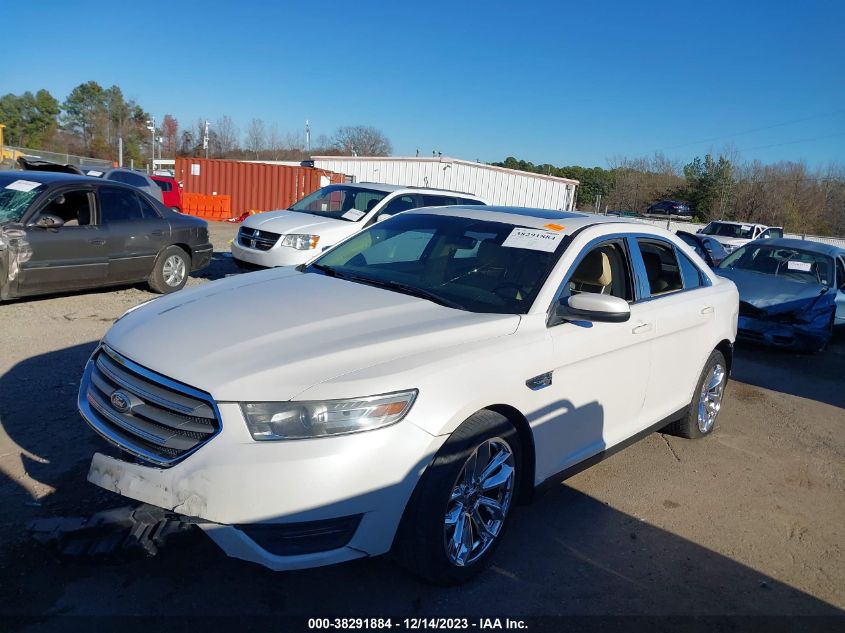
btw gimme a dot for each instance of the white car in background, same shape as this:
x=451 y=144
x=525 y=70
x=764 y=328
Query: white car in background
x=732 y=235
x=327 y=216
x=406 y=388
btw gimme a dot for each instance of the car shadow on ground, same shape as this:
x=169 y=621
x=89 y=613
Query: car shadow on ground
x=816 y=376
x=566 y=554
x=222 y=265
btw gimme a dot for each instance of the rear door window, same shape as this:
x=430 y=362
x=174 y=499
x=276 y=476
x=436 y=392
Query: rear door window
x=690 y=273
x=432 y=200
x=401 y=203
x=661 y=267
x=119 y=205
x=129 y=178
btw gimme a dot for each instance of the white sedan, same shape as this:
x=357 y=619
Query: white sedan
x=402 y=391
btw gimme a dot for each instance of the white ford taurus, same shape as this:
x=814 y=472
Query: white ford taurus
x=403 y=390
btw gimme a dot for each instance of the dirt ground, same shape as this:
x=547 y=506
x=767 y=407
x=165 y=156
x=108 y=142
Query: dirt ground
x=746 y=522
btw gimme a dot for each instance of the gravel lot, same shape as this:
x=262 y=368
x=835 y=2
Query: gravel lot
x=746 y=522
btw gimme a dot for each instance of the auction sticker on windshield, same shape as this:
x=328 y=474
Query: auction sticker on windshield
x=353 y=214
x=22 y=185
x=533 y=239
x=804 y=267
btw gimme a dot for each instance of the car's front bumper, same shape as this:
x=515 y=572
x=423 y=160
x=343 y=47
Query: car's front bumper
x=201 y=256
x=276 y=256
x=233 y=483
x=788 y=336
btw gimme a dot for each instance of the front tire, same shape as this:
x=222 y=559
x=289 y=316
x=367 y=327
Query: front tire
x=460 y=509
x=700 y=420
x=170 y=272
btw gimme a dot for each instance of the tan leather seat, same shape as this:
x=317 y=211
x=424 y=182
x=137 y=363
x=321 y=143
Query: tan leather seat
x=593 y=273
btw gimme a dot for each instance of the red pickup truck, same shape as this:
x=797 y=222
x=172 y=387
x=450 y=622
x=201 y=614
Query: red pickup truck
x=171 y=190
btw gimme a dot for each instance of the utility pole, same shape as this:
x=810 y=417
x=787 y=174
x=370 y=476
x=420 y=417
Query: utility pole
x=151 y=126
x=307 y=136
x=120 y=151
x=205 y=138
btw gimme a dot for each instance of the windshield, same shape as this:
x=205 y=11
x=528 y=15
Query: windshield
x=16 y=194
x=724 y=229
x=791 y=263
x=340 y=202
x=458 y=262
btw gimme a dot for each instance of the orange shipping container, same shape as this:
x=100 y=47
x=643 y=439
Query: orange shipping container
x=252 y=186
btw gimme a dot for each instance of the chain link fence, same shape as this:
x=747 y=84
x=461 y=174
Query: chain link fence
x=58 y=157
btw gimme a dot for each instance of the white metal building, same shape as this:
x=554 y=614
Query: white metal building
x=496 y=185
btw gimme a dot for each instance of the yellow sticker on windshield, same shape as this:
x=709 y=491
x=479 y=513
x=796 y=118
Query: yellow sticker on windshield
x=554 y=227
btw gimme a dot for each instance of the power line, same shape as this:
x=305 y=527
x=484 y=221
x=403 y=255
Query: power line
x=803 y=140
x=757 y=129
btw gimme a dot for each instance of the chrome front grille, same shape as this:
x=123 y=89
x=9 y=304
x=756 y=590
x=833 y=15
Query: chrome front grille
x=144 y=413
x=257 y=239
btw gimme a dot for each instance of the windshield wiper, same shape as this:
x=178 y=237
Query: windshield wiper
x=390 y=285
x=416 y=292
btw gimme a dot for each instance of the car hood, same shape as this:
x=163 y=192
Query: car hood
x=285 y=222
x=272 y=334
x=772 y=293
x=733 y=242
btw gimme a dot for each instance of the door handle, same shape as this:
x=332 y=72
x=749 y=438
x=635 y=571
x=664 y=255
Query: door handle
x=707 y=310
x=642 y=328
x=157 y=233
x=97 y=242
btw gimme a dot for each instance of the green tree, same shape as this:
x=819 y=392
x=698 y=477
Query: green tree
x=83 y=107
x=709 y=186
x=30 y=119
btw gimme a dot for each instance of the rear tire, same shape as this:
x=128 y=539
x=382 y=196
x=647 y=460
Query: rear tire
x=171 y=270
x=458 y=513
x=700 y=420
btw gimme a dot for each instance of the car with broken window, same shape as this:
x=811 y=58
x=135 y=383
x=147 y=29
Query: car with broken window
x=61 y=232
x=402 y=391
x=791 y=291
x=327 y=216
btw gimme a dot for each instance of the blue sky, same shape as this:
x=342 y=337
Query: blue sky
x=557 y=82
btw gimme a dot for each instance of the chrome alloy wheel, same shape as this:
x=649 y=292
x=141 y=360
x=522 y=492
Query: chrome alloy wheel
x=479 y=502
x=173 y=270
x=710 y=400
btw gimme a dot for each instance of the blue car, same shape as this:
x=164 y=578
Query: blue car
x=791 y=292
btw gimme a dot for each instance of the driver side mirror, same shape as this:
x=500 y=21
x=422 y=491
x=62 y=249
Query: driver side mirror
x=589 y=306
x=49 y=221
x=383 y=216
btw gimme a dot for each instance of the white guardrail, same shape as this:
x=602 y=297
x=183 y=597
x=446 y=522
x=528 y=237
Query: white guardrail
x=692 y=227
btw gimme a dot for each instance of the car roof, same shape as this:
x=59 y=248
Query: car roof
x=804 y=245
x=571 y=221
x=743 y=223
x=378 y=186
x=48 y=177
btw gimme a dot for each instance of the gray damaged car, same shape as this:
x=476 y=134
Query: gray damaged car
x=62 y=232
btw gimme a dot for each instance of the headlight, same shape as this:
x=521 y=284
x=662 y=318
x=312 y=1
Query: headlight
x=308 y=419
x=300 y=242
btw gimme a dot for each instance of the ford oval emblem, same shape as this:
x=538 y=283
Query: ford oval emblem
x=121 y=401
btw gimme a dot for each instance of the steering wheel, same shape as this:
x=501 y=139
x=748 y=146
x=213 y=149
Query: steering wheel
x=505 y=286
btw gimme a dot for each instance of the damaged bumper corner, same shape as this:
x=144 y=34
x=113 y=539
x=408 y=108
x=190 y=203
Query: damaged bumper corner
x=808 y=328
x=14 y=251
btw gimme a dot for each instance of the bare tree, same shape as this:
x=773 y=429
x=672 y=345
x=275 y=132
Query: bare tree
x=274 y=141
x=256 y=135
x=170 y=131
x=361 y=140
x=225 y=137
